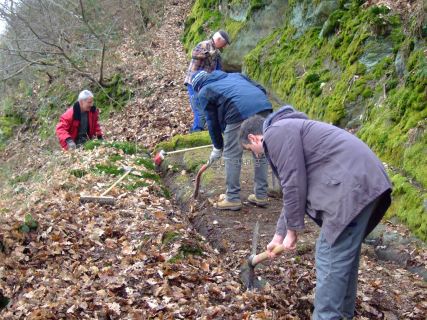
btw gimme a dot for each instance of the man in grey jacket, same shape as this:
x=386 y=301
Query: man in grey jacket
x=338 y=181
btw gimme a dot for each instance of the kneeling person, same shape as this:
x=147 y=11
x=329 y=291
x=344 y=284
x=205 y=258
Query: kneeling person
x=227 y=99
x=79 y=123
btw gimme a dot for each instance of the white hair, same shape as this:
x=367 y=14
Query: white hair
x=85 y=94
x=218 y=35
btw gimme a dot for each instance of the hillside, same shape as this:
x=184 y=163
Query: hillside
x=155 y=254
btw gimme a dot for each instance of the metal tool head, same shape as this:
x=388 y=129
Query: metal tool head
x=255 y=237
x=247 y=276
x=247 y=272
x=159 y=157
x=127 y=168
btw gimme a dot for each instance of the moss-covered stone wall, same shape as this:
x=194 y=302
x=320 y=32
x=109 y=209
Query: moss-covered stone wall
x=348 y=64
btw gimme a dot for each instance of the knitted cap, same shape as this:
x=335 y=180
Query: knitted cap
x=197 y=78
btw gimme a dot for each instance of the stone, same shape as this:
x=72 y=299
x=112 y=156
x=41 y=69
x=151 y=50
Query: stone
x=376 y=235
x=375 y=51
x=399 y=64
x=260 y=25
x=305 y=14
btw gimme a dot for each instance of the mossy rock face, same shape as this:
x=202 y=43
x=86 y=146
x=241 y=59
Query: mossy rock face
x=353 y=66
x=246 y=21
x=409 y=206
x=179 y=141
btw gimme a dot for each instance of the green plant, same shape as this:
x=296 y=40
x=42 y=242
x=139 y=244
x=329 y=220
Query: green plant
x=169 y=236
x=136 y=185
x=107 y=169
x=79 y=173
x=146 y=162
x=29 y=224
x=186 y=250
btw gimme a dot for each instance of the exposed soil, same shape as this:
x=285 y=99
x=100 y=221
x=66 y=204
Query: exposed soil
x=121 y=253
x=381 y=283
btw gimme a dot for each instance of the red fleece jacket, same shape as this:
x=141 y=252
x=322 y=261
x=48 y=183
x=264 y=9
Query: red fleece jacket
x=69 y=122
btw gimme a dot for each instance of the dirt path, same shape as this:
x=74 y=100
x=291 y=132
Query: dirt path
x=87 y=262
x=381 y=283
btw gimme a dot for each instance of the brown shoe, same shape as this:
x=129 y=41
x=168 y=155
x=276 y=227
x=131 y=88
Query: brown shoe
x=224 y=204
x=257 y=201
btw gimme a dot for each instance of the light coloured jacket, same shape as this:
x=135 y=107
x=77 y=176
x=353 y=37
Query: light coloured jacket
x=325 y=172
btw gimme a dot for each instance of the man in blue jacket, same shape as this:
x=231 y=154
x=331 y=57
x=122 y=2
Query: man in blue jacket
x=227 y=99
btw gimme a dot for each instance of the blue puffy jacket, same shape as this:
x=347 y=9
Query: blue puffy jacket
x=228 y=98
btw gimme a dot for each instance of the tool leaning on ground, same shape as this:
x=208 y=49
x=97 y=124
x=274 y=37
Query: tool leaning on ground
x=199 y=177
x=160 y=156
x=103 y=198
x=247 y=271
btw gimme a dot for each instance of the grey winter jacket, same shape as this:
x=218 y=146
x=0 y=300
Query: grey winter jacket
x=324 y=171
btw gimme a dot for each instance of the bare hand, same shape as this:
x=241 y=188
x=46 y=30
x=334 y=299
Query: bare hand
x=290 y=242
x=277 y=240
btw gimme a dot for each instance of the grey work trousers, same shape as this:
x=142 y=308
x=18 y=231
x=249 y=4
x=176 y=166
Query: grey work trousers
x=232 y=155
x=337 y=269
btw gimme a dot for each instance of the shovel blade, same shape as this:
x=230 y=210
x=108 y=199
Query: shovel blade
x=249 y=279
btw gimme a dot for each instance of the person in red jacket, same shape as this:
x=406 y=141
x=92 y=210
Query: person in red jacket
x=79 y=123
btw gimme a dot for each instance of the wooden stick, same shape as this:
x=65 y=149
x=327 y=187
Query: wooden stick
x=264 y=255
x=115 y=183
x=188 y=149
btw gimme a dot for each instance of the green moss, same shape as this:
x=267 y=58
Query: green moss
x=149 y=175
x=331 y=24
x=136 y=185
x=113 y=96
x=169 y=237
x=126 y=146
x=30 y=224
x=107 y=169
x=312 y=77
x=255 y=6
x=186 y=250
x=408 y=206
x=203 y=20
x=192 y=160
x=387 y=128
x=185 y=141
x=146 y=162
x=208 y=177
x=79 y=173
x=181 y=179
x=92 y=144
x=115 y=158
x=165 y=192
x=24 y=177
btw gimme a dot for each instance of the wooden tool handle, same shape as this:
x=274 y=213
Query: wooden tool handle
x=188 y=149
x=198 y=177
x=115 y=183
x=264 y=256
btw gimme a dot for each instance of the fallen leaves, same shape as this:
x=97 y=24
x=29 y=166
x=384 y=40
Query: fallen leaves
x=141 y=258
